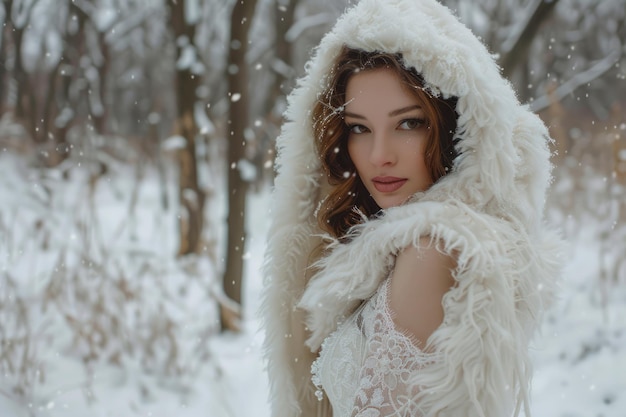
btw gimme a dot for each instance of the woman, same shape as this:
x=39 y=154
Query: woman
x=407 y=263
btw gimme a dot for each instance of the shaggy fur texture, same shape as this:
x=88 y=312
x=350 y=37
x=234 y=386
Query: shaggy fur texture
x=487 y=212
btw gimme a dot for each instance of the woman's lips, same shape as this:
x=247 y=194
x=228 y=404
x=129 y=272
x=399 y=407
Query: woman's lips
x=388 y=184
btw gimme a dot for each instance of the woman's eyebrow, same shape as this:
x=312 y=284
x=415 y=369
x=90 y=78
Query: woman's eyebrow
x=404 y=110
x=391 y=114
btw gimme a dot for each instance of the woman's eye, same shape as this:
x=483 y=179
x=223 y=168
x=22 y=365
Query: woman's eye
x=357 y=129
x=411 y=124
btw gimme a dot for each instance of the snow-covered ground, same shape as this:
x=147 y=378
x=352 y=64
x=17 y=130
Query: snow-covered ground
x=580 y=358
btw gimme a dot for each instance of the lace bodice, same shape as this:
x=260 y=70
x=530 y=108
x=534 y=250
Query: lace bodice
x=365 y=366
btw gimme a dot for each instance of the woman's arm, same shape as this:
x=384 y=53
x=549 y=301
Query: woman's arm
x=422 y=275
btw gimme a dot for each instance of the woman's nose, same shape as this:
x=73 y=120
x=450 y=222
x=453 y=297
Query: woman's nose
x=382 y=152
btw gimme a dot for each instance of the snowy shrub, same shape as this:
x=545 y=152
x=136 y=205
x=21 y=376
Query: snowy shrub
x=19 y=350
x=89 y=274
x=587 y=190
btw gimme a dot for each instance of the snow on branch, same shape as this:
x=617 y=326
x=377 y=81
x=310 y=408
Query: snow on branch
x=192 y=12
x=306 y=23
x=121 y=28
x=21 y=13
x=576 y=81
x=203 y=121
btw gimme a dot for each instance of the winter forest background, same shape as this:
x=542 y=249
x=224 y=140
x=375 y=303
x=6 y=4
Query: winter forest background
x=136 y=156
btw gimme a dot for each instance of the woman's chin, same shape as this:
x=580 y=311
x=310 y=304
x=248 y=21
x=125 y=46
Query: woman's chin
x=385 y=202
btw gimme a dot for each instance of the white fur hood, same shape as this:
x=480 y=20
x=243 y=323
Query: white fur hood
x=488 y=211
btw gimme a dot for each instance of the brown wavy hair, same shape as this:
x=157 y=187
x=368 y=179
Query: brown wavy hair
x=340 y=210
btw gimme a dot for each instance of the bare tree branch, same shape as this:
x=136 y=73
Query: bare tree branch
x=306 y=23
x=576 y=81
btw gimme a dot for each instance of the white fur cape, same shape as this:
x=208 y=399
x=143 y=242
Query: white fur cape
x=487 y=211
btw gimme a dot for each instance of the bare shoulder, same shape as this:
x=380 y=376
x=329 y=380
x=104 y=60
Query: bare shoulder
x=421 y=277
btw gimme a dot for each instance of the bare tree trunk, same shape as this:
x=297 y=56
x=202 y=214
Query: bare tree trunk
x=19 y=76
x=518 y=50
x=25 y=106
x=284 y=75
x=556 y=121
x=100 y=115
x=241 y=19
x=59 y=105
x=285 y=18
x=3 y=56
x=190 y=195
x=50 y=110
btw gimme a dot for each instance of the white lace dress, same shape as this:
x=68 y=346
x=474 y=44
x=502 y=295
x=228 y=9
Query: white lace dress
x=365 y=365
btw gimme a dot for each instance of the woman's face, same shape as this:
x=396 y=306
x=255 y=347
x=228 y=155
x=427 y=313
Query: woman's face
x=387 y=137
